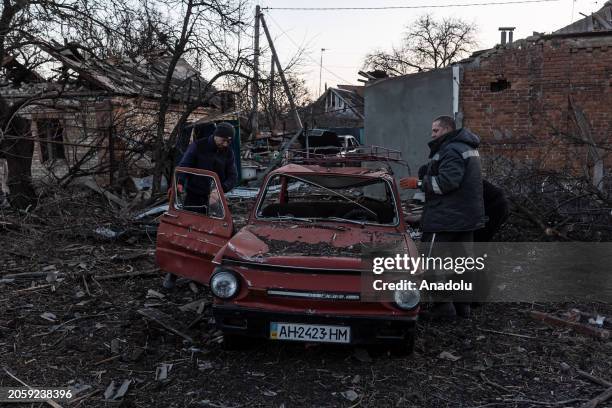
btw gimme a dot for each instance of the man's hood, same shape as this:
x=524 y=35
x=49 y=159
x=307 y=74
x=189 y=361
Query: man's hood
x=460 y=135
x=467 y=137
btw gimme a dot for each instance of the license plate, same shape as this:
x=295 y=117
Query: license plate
x=310 y=332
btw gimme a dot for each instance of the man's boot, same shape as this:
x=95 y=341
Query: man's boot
x=439 y=311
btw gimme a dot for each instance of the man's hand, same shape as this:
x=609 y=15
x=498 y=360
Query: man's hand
x=214 y=198
x=179 y=188
x=409 y=183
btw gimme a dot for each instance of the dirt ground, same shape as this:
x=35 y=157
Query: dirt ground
x=74 y=325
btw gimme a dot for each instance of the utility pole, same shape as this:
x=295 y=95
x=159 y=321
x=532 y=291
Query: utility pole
x=281 y=75
x=255 y=85
x=321 y=70
x=271 y=107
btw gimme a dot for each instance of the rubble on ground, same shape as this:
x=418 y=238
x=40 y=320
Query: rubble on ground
x=88 y=313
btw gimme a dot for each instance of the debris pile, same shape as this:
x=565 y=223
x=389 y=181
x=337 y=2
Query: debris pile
x=88 y=313
x=551 y=206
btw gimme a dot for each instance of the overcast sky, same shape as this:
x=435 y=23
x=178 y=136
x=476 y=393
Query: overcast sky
x=349 y=35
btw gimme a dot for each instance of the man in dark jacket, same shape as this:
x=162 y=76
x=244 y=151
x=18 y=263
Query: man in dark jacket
x=497 y=211
x=214 y=154
x=454 y=209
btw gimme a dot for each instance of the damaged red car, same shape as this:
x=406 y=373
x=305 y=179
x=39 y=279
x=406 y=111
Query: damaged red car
x=294 y=271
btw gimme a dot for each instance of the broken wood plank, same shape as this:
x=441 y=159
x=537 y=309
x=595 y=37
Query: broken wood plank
x=148 y=272
x=523 y=336
x=106 y=360
x=28 y=275
x=164 y=320
x=196 y=321
x=579 y=327
x=195 y=306
x=32 y=288
x=603 y=397
x=131 y=257
x=594 y=379
x=109 y=196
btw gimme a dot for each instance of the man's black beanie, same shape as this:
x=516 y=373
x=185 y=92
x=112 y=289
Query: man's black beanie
x=224 y=130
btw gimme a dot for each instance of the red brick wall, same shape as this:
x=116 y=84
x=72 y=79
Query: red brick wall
x=531 y=120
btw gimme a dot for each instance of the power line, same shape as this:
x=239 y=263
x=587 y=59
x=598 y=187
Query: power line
x=284 y=32
x=409 y=7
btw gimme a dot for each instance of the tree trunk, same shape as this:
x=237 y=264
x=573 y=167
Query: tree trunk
x=18 y=155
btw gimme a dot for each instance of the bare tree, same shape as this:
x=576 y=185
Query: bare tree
x=202 y=33
x=20 y=23
x=275 y=100
x=206 y=31
x=24 y=27
x=427 y=44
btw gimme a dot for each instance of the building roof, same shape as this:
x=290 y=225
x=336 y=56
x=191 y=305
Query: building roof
x=143 y=76
x=359 y=89
x=351 y=98
x=601 y=20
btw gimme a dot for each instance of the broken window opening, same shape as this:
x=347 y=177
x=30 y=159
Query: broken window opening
x=334 y=198
x=500 y=85
x=198 y=193
x=51 y=140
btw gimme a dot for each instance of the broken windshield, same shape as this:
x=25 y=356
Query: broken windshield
x=334 y=198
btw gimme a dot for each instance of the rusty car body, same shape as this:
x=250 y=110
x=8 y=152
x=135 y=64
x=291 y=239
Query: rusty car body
x=294 y=271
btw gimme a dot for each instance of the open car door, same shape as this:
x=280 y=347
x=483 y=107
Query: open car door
x=198 y=223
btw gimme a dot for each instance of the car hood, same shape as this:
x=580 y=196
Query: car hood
x=310 y=246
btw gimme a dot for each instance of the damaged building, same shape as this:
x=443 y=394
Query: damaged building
x=545 y=99
x=99 y=117
x=340 y=109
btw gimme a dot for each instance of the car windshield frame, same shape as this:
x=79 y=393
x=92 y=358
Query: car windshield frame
x=300 y=178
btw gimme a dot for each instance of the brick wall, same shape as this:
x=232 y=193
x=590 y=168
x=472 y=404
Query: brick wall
x=523 y=101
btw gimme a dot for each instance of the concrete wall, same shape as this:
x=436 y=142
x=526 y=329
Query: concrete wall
x=399 y=111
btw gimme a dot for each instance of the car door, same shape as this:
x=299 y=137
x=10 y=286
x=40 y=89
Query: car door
x=196 y=226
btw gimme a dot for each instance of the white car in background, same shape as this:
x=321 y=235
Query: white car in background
x=349 y=144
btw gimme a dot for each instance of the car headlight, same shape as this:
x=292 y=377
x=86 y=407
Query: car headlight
x=224 y=284
x=407 y=299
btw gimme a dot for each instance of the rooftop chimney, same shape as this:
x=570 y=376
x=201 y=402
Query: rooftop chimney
x=510 y=31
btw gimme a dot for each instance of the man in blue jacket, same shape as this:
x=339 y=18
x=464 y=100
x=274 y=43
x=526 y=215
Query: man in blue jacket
x=213 y=154
x=454 y=207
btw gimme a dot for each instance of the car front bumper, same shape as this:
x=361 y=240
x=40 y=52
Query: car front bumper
x=364 y=330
